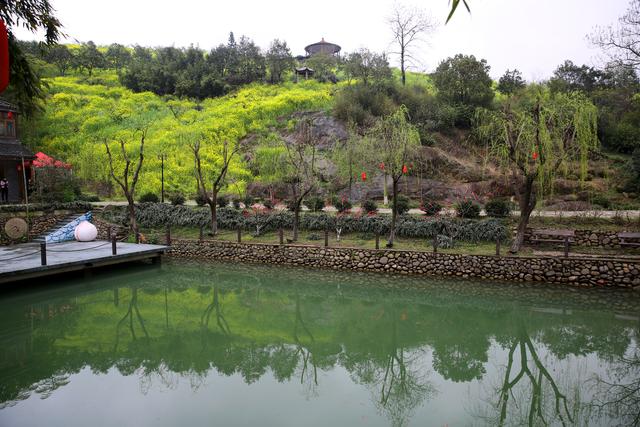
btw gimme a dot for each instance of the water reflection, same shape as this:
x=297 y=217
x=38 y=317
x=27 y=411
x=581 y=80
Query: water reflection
x=526 y=356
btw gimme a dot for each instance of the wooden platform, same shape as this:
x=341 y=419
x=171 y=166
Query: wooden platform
x=23 y=261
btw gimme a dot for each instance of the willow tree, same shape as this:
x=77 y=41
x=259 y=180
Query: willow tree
x=393 y=144
x=536 y=136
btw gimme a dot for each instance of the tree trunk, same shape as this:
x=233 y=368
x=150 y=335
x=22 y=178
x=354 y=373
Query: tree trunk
x=296 y=219
x=213 y=204
x=384 y=191
x=394 y=214
x=402 y=69
x=132 y=215
x=527 y=202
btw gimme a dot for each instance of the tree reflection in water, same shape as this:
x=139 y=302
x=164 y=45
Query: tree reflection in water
x=533 y=370
x=133 y=308
x=619 y=396
x=397 y=378
x=402 y=346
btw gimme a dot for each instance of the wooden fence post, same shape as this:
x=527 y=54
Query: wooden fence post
x=114 y=251
x=281 y=236
x=239 y=234
x=326 y=237
x=43 y=253
x=498 y=246
x=168 y=236
x=435 y=244
x=201 y=237
x=377 y=240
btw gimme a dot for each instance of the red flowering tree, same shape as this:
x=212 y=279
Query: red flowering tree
x=44 y=161
x=53 y=179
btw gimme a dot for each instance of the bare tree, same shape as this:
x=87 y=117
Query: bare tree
x=301 y=175
x=126 y=180
x=217 y=175
x=408 y=25
x=621 y=42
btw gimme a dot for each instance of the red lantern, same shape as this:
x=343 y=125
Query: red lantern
x=363 y=176
x=381 y=166
x=535 y=156
x=10 y=115
x=405 y=169
x=4 y=57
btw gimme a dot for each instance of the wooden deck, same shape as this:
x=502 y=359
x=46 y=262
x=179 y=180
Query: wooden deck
x=23 y=261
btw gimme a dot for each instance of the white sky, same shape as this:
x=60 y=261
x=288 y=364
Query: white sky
x=534 y=36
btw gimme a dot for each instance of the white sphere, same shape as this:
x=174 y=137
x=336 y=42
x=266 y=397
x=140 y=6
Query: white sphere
x=85 y=232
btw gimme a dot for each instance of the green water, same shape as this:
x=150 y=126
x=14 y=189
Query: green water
x=229 y=345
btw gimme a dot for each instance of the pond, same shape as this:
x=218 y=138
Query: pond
x=201 y=344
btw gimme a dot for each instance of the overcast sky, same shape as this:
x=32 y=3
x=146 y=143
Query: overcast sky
x=531 y=35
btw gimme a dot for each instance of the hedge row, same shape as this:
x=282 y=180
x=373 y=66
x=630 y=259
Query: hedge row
x=154 y=215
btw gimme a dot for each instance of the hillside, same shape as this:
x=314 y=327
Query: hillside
x=76 y=122
x=70 y=127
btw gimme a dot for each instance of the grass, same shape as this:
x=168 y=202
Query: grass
x=353 y=240
x=360 y=241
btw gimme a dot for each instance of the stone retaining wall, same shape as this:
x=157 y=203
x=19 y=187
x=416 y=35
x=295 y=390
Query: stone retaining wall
x=594 y=238
x=574 y=271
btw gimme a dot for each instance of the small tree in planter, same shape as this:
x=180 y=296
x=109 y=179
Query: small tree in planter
x=342 y=204
x=369 y=206
x=498 y=208
x=468 y=209
x=392 y=143
x=314 y=204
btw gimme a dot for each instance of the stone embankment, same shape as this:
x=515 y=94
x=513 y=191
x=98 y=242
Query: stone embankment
x=574 y=271
x=592 y=238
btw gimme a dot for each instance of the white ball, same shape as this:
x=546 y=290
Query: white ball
x=85 y=232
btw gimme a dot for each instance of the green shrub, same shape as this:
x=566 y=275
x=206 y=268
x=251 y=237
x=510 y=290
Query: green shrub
x=200 y=199
x=267 y=204
x=248 y=201
x=177 y=199
x=403 y=206
x=222 y=201
x=149 y=197
x=498 y=208
x=342 y=204
x=155 y=215
x=369 y=206
x=601 y=200
x=313 y=236
x=430 y=207
x=468 y=209
x=314 y=204
x=235 y=203
x=88 y=198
